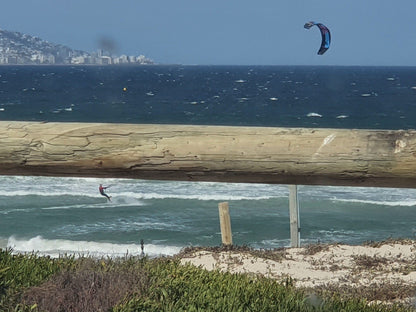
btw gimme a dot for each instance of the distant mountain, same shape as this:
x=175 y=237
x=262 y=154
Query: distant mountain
x=19 y=48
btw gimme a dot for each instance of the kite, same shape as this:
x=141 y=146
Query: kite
x=326 y=36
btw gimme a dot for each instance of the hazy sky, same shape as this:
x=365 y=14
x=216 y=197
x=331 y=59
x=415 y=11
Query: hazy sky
x=262 y=32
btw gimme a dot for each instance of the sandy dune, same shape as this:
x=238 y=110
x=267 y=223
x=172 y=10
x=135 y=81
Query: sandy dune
x=386 y=267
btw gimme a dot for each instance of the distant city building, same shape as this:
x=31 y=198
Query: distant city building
x=18 y=48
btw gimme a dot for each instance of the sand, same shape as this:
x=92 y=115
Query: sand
x=388 y=266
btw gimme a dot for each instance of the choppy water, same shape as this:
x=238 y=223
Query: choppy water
x=68 y=215
x=290 y=96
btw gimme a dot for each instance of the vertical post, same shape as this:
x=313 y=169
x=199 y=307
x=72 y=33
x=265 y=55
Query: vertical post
x=142 y=247
x=294 y=216
x=225 y=223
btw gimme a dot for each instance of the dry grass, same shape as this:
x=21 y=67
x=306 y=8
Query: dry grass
x=277 y=254
x=86 y=290
x=312 y=249
x=390 y=241
x=364 y=262
x=381 y=292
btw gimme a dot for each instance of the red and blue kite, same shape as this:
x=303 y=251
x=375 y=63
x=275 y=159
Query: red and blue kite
x=326 y=36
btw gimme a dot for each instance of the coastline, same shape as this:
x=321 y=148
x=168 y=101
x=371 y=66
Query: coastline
x=382 y=272
x=373 y=277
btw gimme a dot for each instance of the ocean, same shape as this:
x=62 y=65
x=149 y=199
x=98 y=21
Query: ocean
x=54 y=216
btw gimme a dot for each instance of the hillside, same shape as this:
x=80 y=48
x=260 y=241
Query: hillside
x=19 y=48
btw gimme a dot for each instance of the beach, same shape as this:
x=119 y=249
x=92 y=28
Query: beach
x=378 y=272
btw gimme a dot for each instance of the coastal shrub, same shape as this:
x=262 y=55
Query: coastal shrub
x=178 y=287
x=162 y=284
x=19 y=271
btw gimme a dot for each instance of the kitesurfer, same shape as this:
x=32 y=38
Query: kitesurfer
x=101 y=189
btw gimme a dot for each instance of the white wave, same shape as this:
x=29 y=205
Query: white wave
x=342 y=116
x=314 y=115
x=378 y=202
x=47 y=193
x=81 y=206
x=58 y=247
x=115 y=202
x=131 y=192
x=126 y=201
x=118 y=202
x=121 y=226
x=48 y=186
x=3 y=243
x=333 y=235
x=133 y=199
x=202 y=197
x=5 y=212
x=125 y=190
x=366 y=196
x=272 y=243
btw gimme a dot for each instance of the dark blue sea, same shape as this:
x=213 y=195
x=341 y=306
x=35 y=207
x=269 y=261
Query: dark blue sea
x=68 y=215
x=287 y=96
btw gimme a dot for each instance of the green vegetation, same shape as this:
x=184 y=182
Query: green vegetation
x=33 y=283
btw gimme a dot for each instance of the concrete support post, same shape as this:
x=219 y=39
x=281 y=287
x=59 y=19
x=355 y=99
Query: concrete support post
x=294 y=216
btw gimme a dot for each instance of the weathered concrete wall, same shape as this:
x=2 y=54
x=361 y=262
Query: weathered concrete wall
x=210 y=153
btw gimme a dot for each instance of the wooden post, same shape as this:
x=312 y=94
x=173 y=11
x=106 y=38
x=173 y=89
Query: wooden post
x=225 y=224
x=294 y=216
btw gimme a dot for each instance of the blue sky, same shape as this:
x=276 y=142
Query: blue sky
x=240 y=32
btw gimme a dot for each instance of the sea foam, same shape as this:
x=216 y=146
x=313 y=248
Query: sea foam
x=59 y=247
